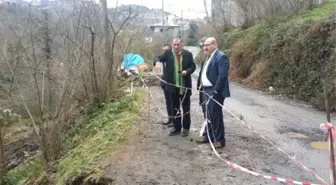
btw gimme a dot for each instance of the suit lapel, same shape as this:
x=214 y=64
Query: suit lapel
x=213 y=60
x=184 y=58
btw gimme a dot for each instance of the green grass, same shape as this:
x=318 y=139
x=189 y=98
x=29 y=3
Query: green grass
x=99 y=136
x=94 y=137
x=32 y=168
x=264 y=29
x=297 y=50
x=318 y=13
x=18 y=131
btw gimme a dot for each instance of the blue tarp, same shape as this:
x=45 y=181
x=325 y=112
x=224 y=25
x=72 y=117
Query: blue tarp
x=131 y=59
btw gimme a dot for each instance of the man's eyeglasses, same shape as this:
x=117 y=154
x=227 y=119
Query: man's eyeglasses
x=208 y=44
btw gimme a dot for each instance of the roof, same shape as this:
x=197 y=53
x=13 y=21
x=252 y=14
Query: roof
x=160 y=25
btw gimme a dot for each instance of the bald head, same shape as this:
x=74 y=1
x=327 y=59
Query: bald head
x=210 y=45
x=211 y=40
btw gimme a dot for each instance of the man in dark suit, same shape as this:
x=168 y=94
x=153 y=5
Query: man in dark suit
x=179 y=67
x=214 y=81
x=169 y=122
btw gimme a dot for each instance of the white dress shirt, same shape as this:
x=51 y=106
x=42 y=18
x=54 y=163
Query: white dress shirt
x=204 y=79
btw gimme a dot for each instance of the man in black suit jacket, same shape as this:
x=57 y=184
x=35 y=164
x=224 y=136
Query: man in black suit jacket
x=179 y=67
x=214 y=81
x=169 y=122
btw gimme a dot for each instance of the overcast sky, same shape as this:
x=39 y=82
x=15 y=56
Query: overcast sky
x=191 y=8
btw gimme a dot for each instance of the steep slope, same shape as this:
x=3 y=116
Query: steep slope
x=292 y=54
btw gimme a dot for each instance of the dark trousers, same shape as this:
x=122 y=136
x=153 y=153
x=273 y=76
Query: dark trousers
x=203 y=110
x=215 y=117
x=168 y=105
x=202 y=102
x=176 y=99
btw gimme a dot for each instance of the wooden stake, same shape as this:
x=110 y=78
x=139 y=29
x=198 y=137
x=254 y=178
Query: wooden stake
x=331 y=142
x=148 y=102
x=132 y=87
x=3 y=166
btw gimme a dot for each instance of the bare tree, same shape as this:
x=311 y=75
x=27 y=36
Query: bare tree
x=62 y=57
x=3 y=167
x=112 y=68
x=106 y=29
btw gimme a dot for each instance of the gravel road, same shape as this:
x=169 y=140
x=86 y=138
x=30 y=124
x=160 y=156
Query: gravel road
x=151 y=157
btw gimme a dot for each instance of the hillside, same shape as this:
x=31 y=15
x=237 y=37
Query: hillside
x=140 y=14
x=143 y=14
x=293 y=54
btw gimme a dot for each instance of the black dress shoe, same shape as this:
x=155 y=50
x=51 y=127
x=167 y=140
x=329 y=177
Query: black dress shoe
x=174 y=132
x=167 y=122
x=203 y=140
x=185 y=133
x=218 y=145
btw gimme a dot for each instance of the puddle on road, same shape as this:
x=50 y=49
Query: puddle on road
x=314 y=143
x=320 y=145
x=297 y=135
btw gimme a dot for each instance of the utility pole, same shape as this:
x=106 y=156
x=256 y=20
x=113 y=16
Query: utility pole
x=212 y=10
x=163 y=17
x=181 y=25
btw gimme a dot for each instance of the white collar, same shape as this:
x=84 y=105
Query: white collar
x=212 y=54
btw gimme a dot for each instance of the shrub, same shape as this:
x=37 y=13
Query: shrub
x=292 y=54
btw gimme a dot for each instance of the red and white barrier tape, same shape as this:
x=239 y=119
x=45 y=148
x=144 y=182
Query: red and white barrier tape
x=259 y=134
x=163 y=114
x=332 y=140
x=273 y=144
x=274 y=178
x=263 y=137
x=329 y=126
x=240 y=168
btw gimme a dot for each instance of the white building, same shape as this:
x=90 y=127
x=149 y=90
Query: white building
x=173 y=24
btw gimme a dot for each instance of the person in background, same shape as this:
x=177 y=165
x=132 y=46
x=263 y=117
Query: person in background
x=179 y=67
x=214 y=81
x=169 y=122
